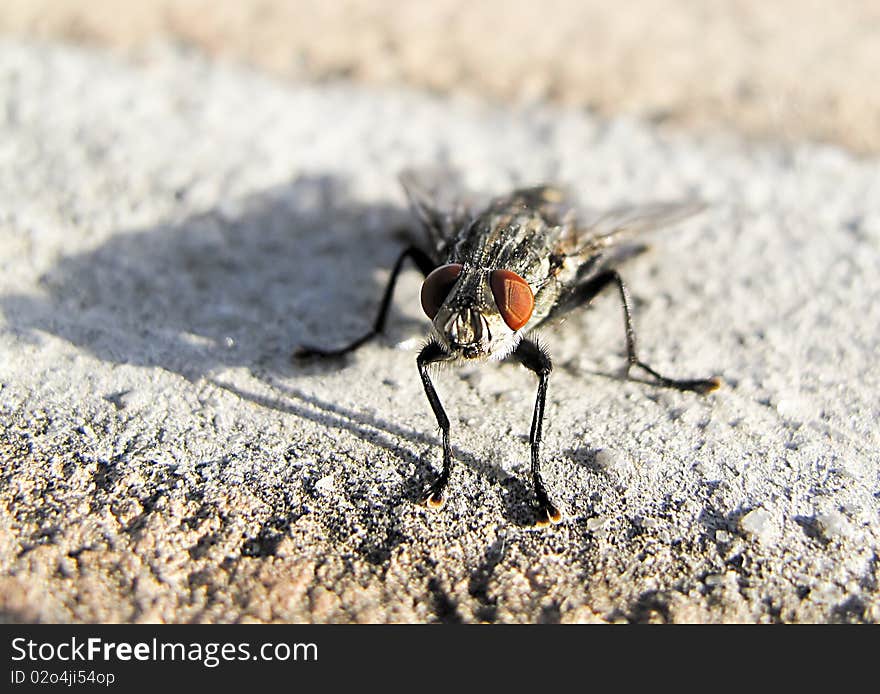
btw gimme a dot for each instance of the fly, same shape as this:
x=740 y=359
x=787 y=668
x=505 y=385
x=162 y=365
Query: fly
x=493 y=275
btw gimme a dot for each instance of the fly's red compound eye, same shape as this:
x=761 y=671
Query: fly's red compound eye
x=513 y=297
x=437 y=286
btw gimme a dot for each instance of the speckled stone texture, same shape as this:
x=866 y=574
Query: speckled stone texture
x=171 y=230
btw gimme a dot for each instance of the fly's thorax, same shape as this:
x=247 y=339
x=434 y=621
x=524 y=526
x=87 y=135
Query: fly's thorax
x=483 y=313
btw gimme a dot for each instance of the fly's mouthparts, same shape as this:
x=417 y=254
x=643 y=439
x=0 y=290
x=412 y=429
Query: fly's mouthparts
x=466 y=327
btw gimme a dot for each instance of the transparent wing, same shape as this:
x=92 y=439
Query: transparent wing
x=622 y=225
x=610 y=240
x=440 y=201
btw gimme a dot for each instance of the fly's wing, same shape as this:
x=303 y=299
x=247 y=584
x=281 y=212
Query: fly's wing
x=622 y=225
x=615 y=236
x=442 y=204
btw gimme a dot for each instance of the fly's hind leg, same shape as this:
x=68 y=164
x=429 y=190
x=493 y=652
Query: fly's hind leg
x=592 y=287
x=422 y=261
x=536 y=359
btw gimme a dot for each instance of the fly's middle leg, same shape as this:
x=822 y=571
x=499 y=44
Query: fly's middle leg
x=592 y=287
x=431 y=354
x=425 y=265
x=536 y=359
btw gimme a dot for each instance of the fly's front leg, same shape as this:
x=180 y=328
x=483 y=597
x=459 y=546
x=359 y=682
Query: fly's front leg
x=536 y=359
x=597 y=284
x=424 y=263
x=431 y=354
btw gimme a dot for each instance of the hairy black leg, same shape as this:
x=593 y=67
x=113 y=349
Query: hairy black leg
x=536 y=359
x=591 y=288
x=431 y=354
x=424 y=263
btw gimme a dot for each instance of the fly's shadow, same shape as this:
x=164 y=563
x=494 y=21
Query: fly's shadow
x=220 y=289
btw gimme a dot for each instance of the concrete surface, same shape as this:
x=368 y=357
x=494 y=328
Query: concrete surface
x=787 y=69
x=172 y=230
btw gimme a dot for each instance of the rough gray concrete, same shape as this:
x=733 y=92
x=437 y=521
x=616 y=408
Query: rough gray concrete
x=171 y=230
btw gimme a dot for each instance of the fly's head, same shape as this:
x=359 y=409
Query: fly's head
x=477 y=313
